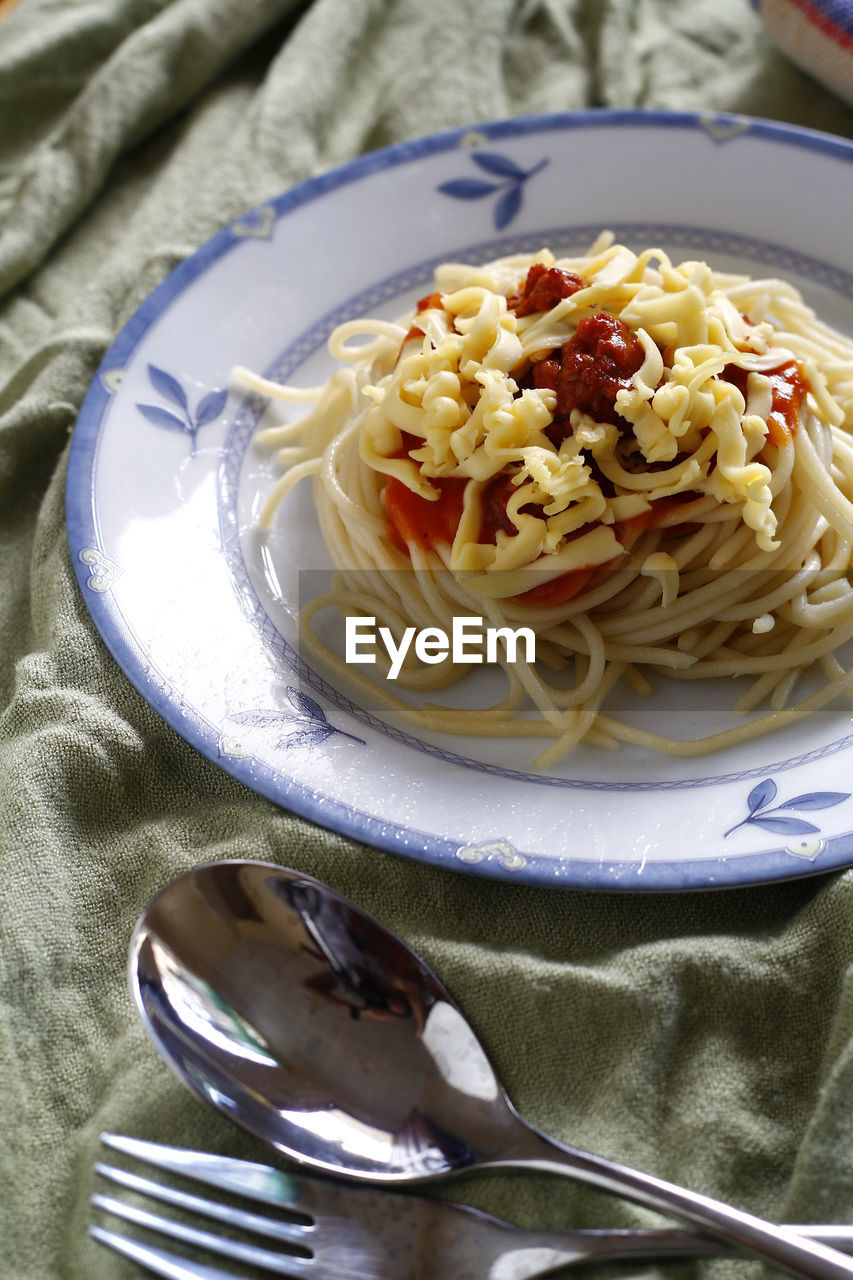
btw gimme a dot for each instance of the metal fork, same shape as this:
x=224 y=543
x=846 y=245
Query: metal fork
x=339 y=1230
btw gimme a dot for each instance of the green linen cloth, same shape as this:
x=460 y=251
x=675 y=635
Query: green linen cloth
x=703 y=1037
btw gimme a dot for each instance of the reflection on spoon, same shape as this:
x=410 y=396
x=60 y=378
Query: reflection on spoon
x=307 y=1022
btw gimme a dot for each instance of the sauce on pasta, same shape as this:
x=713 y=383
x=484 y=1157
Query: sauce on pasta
x=649 y=461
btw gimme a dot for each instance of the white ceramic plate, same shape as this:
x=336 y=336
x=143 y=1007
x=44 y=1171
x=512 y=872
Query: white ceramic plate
x=164 y=481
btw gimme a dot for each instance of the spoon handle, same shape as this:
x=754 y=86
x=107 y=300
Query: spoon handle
x=778 y=1247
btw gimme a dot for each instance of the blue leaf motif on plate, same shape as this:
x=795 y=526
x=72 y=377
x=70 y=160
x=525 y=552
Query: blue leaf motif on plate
x=761 y=795
x=256 y=719
x=816 y=800
x=509 y=188
x=786 y=826
x=306 y=705
x=492 y=162
x=759 y=813
x=167 y=386
x=507 y=207
x=468 y=188
x=307 y=725
x=162 y=417
x=308 y=737
x=208 y=409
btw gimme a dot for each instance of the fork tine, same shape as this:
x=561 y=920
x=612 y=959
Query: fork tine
x=267 y=1260
x=158 y=1261
x=243 y=1177
x=294 y=1233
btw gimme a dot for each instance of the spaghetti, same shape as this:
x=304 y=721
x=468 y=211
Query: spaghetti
x=650 y=464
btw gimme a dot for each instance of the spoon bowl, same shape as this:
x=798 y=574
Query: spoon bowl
x=309 y=1024
x=303 y=1019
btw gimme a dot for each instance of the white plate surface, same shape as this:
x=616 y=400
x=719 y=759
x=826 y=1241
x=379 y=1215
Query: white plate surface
x=164 y=482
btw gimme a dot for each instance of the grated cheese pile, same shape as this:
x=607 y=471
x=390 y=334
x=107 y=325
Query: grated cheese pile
x=455 y=389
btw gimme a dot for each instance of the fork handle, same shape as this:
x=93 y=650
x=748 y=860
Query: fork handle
x=538 y=1252
x=669 y=1242
x=805 y=1259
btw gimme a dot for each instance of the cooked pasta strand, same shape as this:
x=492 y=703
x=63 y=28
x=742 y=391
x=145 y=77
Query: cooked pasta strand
x=649 y=464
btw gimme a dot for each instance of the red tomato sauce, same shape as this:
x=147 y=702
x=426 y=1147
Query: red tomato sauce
x=626 y=532
x=788 y=387
x=431 y=521
x=424 y=304
x=543 y=288
x=588 y=371
x=426 y=522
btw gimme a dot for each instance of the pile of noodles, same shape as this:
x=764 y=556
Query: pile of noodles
x=709 y=533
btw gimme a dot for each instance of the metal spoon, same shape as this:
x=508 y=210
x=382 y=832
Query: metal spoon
x=308 y=1023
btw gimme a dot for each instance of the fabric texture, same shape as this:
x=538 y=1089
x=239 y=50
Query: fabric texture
x=817 y=35
x=703 y=1037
